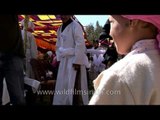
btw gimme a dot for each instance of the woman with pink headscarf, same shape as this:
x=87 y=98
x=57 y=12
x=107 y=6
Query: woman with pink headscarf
x=135 y=79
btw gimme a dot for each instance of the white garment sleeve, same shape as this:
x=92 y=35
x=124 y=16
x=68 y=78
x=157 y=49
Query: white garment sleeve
x=31 y=25
x=95 y=51
x=80 y=47
x=66 y=51
x=35 y=84
x=34 y=50
x=58 y=45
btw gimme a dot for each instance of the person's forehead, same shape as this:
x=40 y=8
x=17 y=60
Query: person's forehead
x=118 y=18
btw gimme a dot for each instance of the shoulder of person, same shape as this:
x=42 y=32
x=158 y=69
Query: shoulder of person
x=128 y=71
x=131 y=64
x=76 y=24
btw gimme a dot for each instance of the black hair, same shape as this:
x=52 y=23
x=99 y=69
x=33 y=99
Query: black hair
x=105 y=32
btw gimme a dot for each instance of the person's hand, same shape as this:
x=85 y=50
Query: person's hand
x=76 y=66
x=62 y=52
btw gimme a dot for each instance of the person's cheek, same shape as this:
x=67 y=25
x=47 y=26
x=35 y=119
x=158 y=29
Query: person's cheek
x=111 y=33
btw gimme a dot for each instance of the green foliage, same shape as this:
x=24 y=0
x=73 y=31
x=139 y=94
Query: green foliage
x=93 y=32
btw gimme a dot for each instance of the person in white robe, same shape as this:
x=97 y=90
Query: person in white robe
x=71 y=52
x=31 y=50
x=135 y=79
x=97 y=53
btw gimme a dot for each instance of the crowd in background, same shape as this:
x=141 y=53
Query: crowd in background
x=41 y=65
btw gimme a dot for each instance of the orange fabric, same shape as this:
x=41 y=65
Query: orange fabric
x=44 y=44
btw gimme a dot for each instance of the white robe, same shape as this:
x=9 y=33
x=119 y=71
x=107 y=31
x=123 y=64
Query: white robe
x=31 y=51
x=70 y=49
x=134 y=80
x=96 y=65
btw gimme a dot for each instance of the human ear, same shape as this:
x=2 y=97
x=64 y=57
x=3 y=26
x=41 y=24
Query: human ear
x=133 y=23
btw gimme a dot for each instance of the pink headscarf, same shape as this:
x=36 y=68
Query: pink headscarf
x=154 y=19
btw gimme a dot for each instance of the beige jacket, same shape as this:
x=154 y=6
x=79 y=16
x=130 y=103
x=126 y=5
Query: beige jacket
x=134 y=80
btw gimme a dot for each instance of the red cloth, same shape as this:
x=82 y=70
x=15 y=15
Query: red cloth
x=29 y=30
